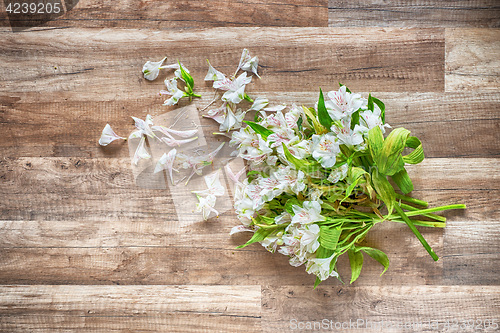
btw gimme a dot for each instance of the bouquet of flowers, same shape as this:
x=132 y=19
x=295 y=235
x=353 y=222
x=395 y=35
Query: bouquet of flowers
x=317 y=178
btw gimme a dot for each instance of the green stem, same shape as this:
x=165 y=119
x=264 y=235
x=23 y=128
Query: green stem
x=412 y=200
x=415 y=231
x=196 y=95
x=431 y=216
x=423 y=223
x=432 y=210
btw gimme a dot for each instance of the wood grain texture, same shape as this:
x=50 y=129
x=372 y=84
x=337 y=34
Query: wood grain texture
x=388 y=303
x=107 y=63
x=33 y=128
x=420 y=13
x=473 y=60
x=138 y=308
x=157 y=14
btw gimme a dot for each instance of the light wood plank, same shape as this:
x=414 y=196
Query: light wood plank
x=180 y=14
x=402 y=305
x=421 y=13
x=300 y=59
x=473 y=60
x=142 y=308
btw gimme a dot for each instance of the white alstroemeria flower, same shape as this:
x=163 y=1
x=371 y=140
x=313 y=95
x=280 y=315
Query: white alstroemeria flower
x=141 y=152
x=292 y=116
x=259 y=103
x=321 y=267
x=152 y=69
x=206 y=206
x=108 y=136
x=214 y=187
x=342 y=104
x=301 y=148
x=370 y=119
x=172 y=91
x=234 y=177
x=325 y=149
x=244 y=138
x=166 y=162
x=169 y=131
x=239 y=228
x=213 y=74
x=284 y=135
x=247 y=63
x=257 y=153
x=235 y=89
x=243 y=203
x=309 y=240
x=309 y=213
x=275 y=120
x=352 y=138
x=232 y=120
x=143 y=128
x=218 y=114
x=338 y=174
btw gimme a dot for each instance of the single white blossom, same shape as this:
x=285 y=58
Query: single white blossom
x=108 y=136
x=321 y=267
x=309 y=212
x=309 y=240
x=166 y=162
x=342 y=104
x=206 y=205
x=141 y=152
x=247 y=63
x=213 y=74
x=234 y=89
x=152 y=69
x=325 y=149
x=259 y=103
x=175 y=93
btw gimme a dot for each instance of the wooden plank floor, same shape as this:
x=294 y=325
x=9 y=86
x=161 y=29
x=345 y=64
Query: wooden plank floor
x=83 y=248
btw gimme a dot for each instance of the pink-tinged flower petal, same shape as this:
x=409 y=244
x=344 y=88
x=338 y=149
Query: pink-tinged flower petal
x=239 y=228
x=108 y=136
x=213 y=74
x=176 y=143
x=140 y=152
x=167 y=131
x=143 y=125
x=234 y=177
x=218 y=114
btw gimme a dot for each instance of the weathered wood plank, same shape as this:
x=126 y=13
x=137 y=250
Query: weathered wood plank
x=443 y=122
x=186 y=14
x=88 y=189
x=472 y=60
x=421 y=13
x=107 y=63
x=142 y=308
x=393 y=305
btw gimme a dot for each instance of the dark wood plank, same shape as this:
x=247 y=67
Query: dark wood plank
x=421 y=13
x=125 y=308
x=284 y=306
x=184 y=14
x=472 y=61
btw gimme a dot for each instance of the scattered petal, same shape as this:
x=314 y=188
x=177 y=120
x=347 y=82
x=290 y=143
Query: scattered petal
x=152 y=69
x=108 y=136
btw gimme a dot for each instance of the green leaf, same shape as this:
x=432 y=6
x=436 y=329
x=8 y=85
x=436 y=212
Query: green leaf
x=356 y=260
x=313 y=121
x=264 y=132
x=355 y=119
x=390 y=160
x=329 y=237
x=384 y=189
x=290 y=203
x=303 y=165
x=299 y=124
x=323 y=115
x=370 y=102
x=323 y=252
x=381 y=106
x=186 y=77
x=403 y=181
x=258 y=236
x=376 y=254
x=354 y=176
x=417 y=155
x=416 y=232
x=375 y=143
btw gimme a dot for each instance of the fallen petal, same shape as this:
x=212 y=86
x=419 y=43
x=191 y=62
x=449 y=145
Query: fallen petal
x=108 y=136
